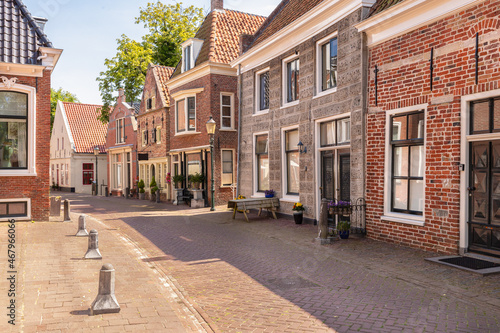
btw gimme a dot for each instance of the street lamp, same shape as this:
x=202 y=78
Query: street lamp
x=211 y=131
x=96 y=153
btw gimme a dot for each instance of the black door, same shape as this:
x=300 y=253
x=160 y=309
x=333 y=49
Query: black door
x=345 y=177
x=484 y=198
x=327 y=175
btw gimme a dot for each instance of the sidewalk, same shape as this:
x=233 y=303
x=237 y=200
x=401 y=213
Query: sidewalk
x=56 y=286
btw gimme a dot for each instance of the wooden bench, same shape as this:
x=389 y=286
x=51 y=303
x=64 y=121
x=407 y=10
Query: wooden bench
x=244 y=205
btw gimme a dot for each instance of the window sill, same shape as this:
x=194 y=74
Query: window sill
x=290 y=198
x=227 y=130
x=258 y=195
x=260 y=112
x=17 y=173
x=287 y=105
x=186 y=133
x=325 y=93
x=405 y=219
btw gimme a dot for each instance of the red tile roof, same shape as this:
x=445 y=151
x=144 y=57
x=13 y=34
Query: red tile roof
x=162 y=75
x=382 y=5
x=284 y=14
x=221 y=31
x=86 y=129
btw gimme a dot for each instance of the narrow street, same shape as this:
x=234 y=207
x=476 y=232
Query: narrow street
x=269 y=275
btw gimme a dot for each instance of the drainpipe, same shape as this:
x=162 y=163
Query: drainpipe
x=239 y=133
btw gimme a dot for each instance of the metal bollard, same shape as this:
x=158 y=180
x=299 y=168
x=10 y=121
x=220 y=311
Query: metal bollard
x=82 y=231
x=105 y=302
x=66 y=211
x=93 y=249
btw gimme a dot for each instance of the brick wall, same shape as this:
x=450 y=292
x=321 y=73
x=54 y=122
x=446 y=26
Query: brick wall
x=404 y=81
x=37 y=187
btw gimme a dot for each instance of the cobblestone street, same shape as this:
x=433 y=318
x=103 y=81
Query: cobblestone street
x=266 y=275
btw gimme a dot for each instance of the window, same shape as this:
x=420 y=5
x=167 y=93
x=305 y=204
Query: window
x=262 y=90
x=144 y=138
x=328 y=70
x=116 y=159
x=10 y=209
x=291 y=159
x=226 y=109
x=186 y=114
x=262 y=162
x=62 y=174
x=407 y=167
x=88 y=173
x=335 y=132
x=120 y=130
x=186 y=57
x=62 y=143
x=67 y=174
x=485 y=116
x=291 y=83
x=227 y=168
x=158 y=134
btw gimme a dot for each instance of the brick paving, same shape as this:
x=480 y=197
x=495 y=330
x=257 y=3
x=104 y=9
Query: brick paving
x=266 y=275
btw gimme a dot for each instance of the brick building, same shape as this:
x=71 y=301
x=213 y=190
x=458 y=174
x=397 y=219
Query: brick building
x=204 y=85
x=121 y=146
x=302 y=112
x=76 y=134
x=153 y=139
x=27 y=59
x=433 y=138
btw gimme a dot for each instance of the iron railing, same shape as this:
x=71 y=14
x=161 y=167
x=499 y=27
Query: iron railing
x=356 y=214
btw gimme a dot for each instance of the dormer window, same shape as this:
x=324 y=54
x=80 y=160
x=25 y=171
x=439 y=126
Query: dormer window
x=187 y=58
x=190 y=50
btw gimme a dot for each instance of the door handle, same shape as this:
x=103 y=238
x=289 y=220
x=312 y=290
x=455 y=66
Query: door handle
x=471 y=189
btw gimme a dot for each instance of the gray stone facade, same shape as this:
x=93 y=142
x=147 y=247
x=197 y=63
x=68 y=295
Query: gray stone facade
x=346 y=99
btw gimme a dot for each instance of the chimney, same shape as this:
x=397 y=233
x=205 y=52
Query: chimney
x=40 y=21
x=217 y=4
x=121 y=95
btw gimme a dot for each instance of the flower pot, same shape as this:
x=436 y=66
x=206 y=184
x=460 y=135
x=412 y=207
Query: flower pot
x=142 y=196
x=297 y=216
x=269 y=195
x=344 y=234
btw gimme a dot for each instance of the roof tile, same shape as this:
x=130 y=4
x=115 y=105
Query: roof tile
x=162 y=75
x=382 y=5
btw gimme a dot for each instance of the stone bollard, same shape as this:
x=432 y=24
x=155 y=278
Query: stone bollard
x=66 y=211
x=82 y=231
x=93 y=250
x=55 y=206
x=105 y=302
x=323 y=237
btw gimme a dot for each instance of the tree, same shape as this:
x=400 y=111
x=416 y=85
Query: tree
x=59 y=95
x=168 y=26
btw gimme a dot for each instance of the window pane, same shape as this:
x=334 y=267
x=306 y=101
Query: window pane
x=292 y=80
x=417 y=161
x=17 y=208
x=191 y=113
x=329 y=64
x=399 y=128
x=226 y=111
x=226 y=100
x=194 y=164
x=226 y=122
x=3 y=209
x=264 y=91
x=400 y=198
x=227 y=160
x=496 y=114
x=181 y=116
x=13 y=144
x=263 y=172
x=344 y=130
x=416 y=126
x=400 y=161
x=481 y=115
x=261 y=145
x=292 y=139
x=417 y=195
x=13 y=104
x=293 y=172
x=327 y=133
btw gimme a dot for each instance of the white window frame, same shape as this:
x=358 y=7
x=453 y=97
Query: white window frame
x=158 y=135
x=18 y=218
x=232 y=150
x=31 y=134
x=284 y=81
x=187 y=130
x=143 y=138
x=256 y=192
x=319 y=69
x=411 y=219
x=120 y=130
x=231 y=95
x=284 y=174
x=258 y=92
x=191 y=57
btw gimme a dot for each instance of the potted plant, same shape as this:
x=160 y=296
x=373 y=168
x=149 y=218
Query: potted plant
x=153 y=187
x=343 y=228
x=178 y=180
x=140 y=185
x=298 y=212
x=196 y=179
x=343 y=208
x=269 y=193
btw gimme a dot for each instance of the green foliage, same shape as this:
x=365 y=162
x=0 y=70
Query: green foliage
x=168 y=26
x=343 y=225
x=59 y=95
x=140 y=185
x=178 y=178
x=197 y=178
x=153 y=182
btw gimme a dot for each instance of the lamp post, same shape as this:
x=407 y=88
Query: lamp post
x=96 y=153
x=211 y=131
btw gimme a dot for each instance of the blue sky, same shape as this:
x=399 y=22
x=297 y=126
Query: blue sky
x=87 y=32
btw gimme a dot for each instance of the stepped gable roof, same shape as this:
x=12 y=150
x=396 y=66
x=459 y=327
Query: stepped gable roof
x=20 y=35
x=162 y=75
x=86 y=129
x=382 y=5
x=221 y=32
x=284 y=14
